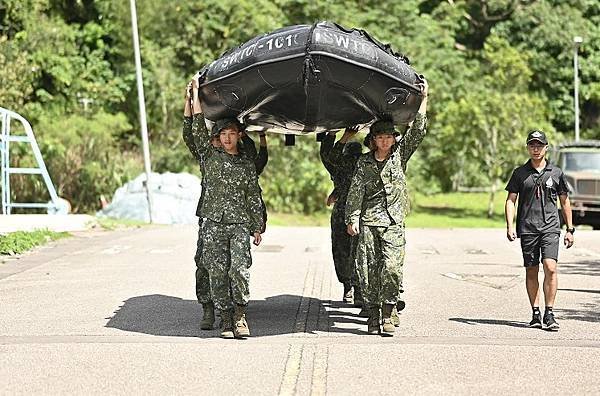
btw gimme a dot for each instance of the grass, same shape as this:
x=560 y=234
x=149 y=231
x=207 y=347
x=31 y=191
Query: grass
x=21 y=241
x=111 y=224
x=450 y=210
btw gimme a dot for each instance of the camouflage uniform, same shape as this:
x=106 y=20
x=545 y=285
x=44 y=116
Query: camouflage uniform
x=340 y=167
x=378 y=201
x=232 y=208
x=202 y=280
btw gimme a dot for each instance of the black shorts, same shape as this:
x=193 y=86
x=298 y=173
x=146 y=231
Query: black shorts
x=534 y=244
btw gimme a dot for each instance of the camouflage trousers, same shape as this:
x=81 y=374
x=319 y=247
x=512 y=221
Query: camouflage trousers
x=226 y=256
x=343 y=247
x=202 y=280
x=379 y=263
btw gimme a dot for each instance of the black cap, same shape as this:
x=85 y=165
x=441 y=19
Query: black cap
x=383 y=127
x=537 y=135
x=224 y=123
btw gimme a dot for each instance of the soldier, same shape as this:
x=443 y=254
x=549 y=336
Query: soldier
x=340 y=159
x=537 y=184
x=202 y=280
x=376 y=207
x=233 y=212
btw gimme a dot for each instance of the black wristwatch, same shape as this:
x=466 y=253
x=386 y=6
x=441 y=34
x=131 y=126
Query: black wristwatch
x=571 y=230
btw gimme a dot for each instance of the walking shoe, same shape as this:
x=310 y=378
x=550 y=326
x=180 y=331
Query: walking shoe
x=373 y=321
x=358 y=298
x=536 y=321
x=387 y=325
x=208 y=316
x=240 y=326
x=227 y=324
x=550 y=323
x=395 y=318
x=348 y=296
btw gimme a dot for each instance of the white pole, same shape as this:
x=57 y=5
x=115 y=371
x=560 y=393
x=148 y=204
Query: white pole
x=577 y=40
x=142 y=104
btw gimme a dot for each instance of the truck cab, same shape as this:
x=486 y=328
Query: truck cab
x=580 y=162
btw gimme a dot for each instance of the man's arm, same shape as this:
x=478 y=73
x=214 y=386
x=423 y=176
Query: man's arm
x=509 y=214
x=249 y=147
x=336 y=156
x=416 y=133
x=326 y=146
x=263 y=155
x=255 y=209
x=565 y=204
x=188 y=138
x=199 y=132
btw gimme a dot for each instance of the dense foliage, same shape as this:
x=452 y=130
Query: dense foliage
x=496 y=69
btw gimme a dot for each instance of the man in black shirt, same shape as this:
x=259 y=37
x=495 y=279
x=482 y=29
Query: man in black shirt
x=537 y=184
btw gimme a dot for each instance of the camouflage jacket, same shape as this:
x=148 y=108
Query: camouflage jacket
x=377 y=198
x=230 y=192
x=260 y=159
x=339 y=165
x=188 y=138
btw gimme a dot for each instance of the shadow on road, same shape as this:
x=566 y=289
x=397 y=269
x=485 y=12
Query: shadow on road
x=495 y=322
x=586 y=267
x=162 y=315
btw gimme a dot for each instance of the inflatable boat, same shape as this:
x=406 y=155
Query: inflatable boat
x=311 y=78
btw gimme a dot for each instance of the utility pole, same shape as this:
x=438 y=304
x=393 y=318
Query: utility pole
x=142 y=104
x=577 y=40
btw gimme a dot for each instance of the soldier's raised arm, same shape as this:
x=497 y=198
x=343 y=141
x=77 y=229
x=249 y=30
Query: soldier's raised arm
x=414 y=136
x=263 y=154
x=324 y=151
x=200 y=133
x=186 y=133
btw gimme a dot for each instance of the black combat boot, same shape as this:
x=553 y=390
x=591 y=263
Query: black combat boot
x=358 y=297
x=388 y=326
x=240 y=326
x=373 y=321
x=227 y=323
x=208 y=316
x=348 y=297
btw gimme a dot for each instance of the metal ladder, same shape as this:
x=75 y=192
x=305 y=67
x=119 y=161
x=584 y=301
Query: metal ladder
x=5 y=139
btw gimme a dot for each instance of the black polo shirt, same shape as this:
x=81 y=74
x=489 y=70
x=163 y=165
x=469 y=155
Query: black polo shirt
x=537 y=211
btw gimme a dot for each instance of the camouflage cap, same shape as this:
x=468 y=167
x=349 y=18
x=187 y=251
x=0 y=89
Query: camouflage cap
x=225 y=123
x=383 y=127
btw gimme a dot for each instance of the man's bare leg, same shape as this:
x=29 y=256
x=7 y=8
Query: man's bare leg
x=550 y=281
x=533 y=285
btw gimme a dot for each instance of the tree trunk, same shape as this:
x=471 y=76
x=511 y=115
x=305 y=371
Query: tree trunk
x=490 y=212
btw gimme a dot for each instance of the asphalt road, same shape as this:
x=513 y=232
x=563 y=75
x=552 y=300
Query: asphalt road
x=115 y=312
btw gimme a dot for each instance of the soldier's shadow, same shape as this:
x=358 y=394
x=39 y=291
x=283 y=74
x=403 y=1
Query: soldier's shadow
x=162 y=315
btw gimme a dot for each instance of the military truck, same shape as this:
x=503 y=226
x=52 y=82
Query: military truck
x=580 y=161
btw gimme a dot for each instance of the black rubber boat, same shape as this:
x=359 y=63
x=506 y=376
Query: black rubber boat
x=311 y=78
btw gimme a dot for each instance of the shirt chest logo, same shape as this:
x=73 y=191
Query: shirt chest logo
x=549 y=183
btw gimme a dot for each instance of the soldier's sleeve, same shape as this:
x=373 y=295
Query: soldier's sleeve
x=326 y=146
x=412 y=138
x=355 y=195
x=200 y=137
x=249 y=147
x=253 y=201
x=188 y=138
x=261 y=160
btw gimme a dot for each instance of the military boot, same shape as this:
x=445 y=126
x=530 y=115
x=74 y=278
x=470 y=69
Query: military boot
x=388 y=326
x=240 y=326
x=358 y=298
x=348 y=297
x=395 y=318
x=373 y=321
x=208 y=316
x=227 y=324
